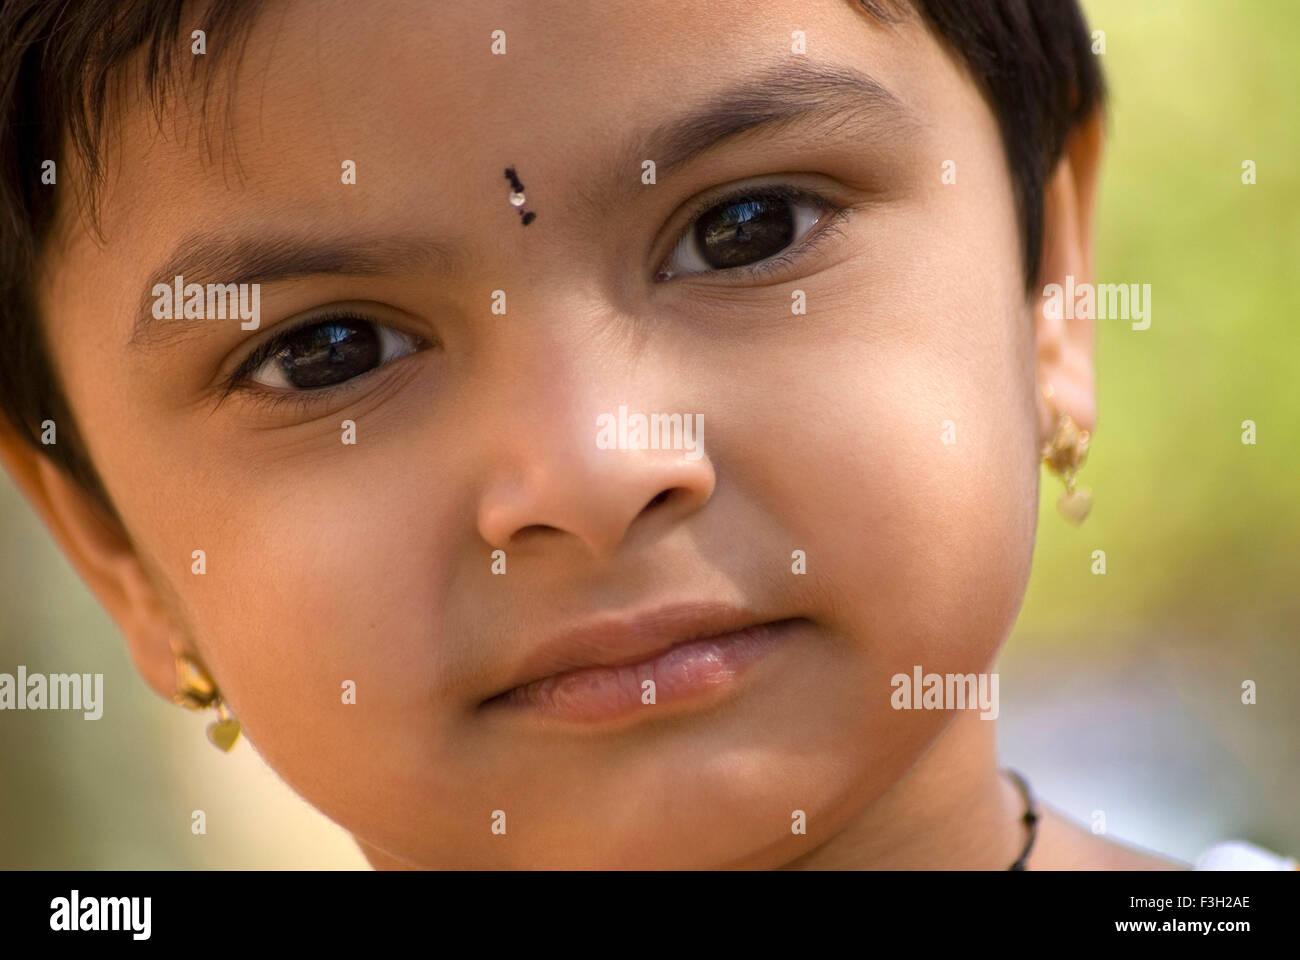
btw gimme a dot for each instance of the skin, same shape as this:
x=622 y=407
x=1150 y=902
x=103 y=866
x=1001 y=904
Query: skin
x=370 y=562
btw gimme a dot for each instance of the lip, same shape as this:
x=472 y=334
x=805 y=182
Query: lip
x=596 y=671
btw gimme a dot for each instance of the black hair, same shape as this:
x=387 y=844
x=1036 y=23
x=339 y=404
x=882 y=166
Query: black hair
x=57 y=61
x=1031 y=59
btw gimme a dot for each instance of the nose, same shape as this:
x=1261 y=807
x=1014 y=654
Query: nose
x=560 y=479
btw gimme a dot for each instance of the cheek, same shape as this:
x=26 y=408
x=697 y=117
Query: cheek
x=907 y=472
x=330 y=582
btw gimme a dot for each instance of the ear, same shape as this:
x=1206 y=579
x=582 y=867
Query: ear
x=102 y=555
x=1065 y=344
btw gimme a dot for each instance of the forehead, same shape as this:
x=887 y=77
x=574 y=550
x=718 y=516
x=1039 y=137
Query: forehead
x=417 y=98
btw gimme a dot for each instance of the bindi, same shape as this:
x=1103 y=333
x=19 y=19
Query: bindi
x=517 y=198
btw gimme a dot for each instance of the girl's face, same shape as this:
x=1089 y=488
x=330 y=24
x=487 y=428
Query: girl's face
x=887 y=431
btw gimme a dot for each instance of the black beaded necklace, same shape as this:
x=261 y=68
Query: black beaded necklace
x=1030 y=819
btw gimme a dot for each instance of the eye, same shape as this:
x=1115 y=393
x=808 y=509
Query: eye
x=746 y=229
x=324 y=353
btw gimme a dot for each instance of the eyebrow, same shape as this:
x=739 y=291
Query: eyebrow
x=205 y=258
x=772 y=98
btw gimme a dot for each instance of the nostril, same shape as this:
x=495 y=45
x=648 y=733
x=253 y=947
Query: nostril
x=662 y=497
x=532 y=530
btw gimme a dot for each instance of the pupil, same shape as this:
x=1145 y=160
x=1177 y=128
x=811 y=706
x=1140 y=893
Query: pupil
x=741 y=232
x=329 y=353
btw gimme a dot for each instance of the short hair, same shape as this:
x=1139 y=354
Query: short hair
x=1030 y=58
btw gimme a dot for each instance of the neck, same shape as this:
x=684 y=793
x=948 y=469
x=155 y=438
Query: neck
x=953 y=809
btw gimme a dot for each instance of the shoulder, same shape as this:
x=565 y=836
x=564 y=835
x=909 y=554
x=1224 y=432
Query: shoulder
x=1236 y=855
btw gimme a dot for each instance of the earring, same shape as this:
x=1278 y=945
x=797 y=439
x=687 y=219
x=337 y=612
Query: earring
x=196 y=691
x=1063 y=455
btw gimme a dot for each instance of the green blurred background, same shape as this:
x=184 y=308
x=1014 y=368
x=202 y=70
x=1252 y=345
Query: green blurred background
x=1120 y=693
x=1139 y=713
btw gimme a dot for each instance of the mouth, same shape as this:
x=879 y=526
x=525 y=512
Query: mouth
x=615 y=667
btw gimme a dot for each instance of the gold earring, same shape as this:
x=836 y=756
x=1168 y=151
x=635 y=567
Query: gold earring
x=1063 y=455
x=196 y=691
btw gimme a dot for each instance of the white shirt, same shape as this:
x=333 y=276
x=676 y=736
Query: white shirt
x=1236 y=855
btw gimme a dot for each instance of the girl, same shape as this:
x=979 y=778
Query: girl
x=634 y=457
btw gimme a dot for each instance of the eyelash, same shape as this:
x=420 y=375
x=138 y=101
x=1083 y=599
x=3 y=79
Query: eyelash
x=827 y=227
x=305 y=398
